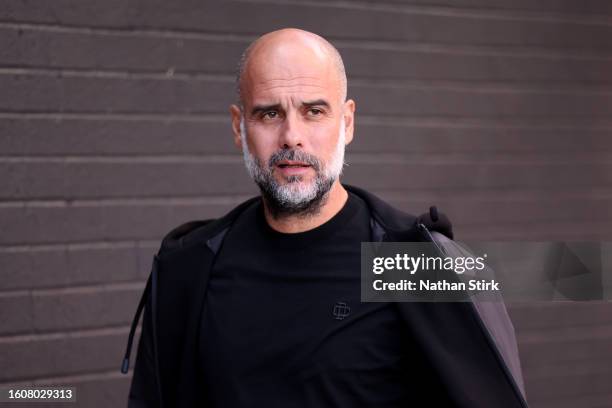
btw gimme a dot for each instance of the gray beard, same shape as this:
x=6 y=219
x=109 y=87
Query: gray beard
x=283 y=200
x=294 y=197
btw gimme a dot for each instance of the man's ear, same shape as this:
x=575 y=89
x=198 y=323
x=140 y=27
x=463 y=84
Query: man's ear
x=349 y=120
x=236 y=114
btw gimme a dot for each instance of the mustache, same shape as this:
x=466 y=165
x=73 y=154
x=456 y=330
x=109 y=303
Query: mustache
x=294 y=155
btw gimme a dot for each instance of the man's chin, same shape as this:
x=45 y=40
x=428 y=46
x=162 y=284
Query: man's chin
x=300 y=189
x=298 y=197
x=295 y=191
x=293 y=181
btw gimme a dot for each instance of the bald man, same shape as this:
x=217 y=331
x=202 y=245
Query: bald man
x=261 y=308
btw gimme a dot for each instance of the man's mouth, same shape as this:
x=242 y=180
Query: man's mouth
x=289 y=168
x=292 y=164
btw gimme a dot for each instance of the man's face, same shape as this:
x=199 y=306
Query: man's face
x=293 y=125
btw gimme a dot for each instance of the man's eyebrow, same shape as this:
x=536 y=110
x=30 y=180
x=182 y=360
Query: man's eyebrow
x=264 y=108
x=318 y=102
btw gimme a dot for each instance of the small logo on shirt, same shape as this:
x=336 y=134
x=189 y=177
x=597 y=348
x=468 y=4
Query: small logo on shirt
x=341 y=310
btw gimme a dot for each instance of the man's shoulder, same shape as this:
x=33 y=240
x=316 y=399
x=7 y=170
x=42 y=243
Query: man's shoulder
x=384 y=213
x=193 y=233
x=394 y=220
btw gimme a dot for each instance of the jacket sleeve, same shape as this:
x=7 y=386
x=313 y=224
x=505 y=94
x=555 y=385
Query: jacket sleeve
x=494 y=316
x=144 y=388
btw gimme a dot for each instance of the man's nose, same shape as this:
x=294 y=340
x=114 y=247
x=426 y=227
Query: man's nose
x=291 y=132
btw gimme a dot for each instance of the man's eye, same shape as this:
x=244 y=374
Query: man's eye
x=270 y=115
x=314 y=112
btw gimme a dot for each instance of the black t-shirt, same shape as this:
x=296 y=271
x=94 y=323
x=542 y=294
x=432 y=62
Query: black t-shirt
x=284 y=326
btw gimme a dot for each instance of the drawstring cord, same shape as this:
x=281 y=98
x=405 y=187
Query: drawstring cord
x=125 y=365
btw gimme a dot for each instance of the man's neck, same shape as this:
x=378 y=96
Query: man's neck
x=334 y=201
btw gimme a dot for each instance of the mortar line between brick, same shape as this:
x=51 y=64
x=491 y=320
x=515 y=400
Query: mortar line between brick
x=478 y=86
x=74 y=378
x=494 y=50
x=68 y=334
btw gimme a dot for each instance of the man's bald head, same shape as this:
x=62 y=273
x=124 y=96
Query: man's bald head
x=299 y=41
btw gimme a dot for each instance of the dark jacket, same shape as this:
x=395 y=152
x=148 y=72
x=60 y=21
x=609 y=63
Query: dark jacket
x=475 y=368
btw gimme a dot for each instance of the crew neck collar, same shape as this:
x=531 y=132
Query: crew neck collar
x=301 y=239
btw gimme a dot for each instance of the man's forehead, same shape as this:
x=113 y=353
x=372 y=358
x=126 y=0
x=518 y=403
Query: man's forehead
x=273 y=85
x=297 y=94
x=299 y=84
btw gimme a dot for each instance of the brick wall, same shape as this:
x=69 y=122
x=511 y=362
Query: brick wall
x=114 y=128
